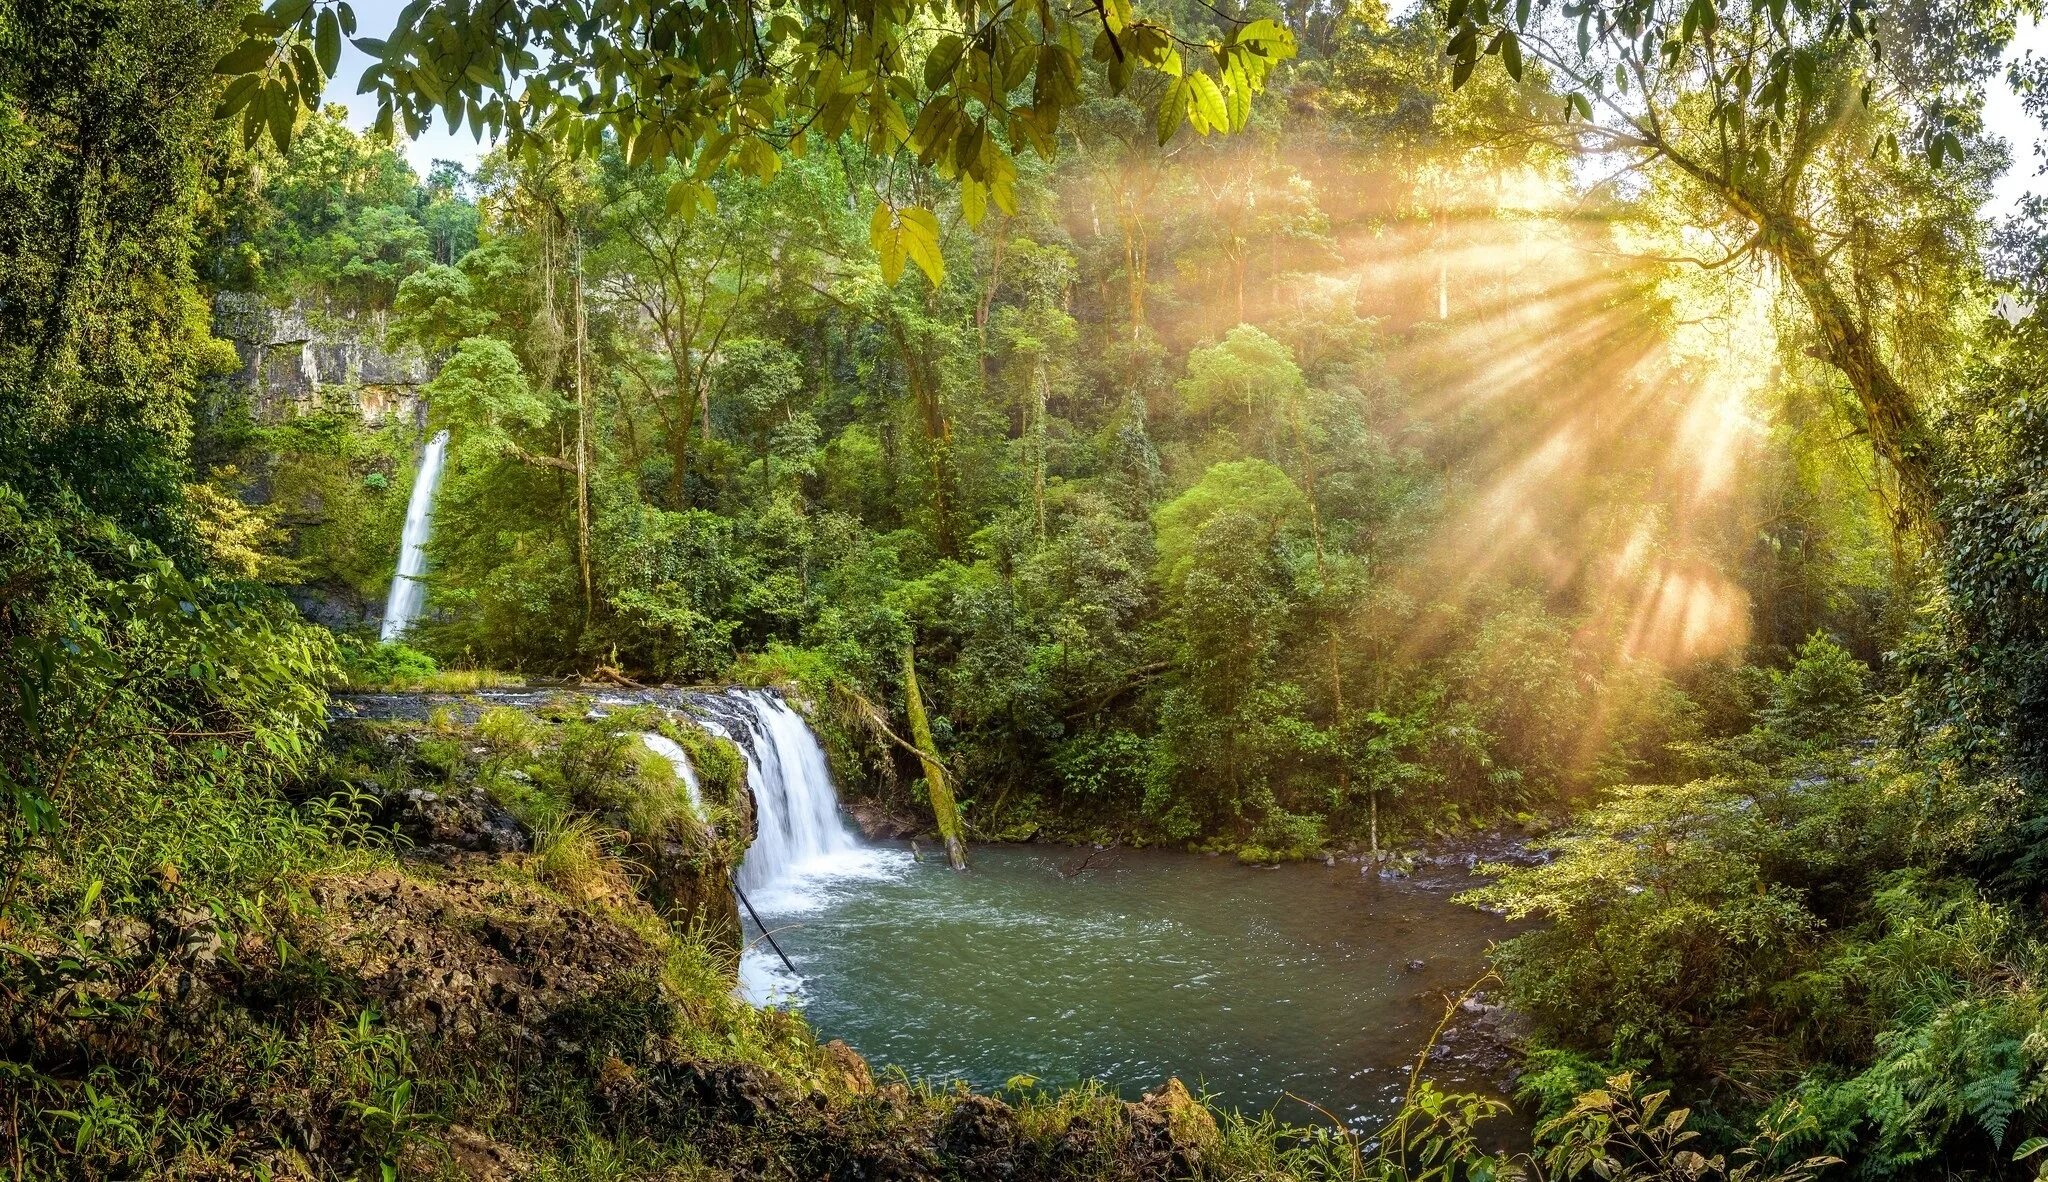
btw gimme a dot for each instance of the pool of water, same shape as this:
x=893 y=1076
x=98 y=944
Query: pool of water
x=1127 y=967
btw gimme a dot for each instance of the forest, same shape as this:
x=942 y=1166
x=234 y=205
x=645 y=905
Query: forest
x=1289 y=431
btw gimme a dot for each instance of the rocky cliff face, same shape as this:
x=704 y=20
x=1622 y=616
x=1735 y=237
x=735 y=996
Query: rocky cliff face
x=303 y=358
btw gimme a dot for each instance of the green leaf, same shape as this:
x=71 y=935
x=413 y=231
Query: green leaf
x=1511 y=53
x=281 y=109
x=1206 y=109
x=973 y=200
x=1173 y=107
x=252 y=54
x=327 y=42
x=238 y=94
x=886 y=236
x=942 y=61
x=759 y=159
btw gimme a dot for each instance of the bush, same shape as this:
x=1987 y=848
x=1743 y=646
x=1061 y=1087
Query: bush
x=387 y=665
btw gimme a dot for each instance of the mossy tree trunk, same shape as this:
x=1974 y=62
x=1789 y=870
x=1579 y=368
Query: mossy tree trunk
x=945 y=810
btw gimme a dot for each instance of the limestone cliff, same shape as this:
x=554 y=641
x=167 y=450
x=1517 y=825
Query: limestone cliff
x=304 y=357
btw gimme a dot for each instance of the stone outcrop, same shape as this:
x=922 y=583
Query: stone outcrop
x=469 y=953
x=301 y=358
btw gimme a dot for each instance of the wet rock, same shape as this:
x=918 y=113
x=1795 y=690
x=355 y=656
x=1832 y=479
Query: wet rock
x=693 y=889
x=879 y=823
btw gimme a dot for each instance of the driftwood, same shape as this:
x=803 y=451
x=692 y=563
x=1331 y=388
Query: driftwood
x=611 y=675
x=1087 y=863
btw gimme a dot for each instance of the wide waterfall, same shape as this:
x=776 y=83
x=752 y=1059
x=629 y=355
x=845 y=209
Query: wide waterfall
x=799 y=829
x=402 y=606
x=803 y=846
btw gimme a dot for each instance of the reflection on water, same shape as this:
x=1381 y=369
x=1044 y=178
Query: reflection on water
x=1131 y=967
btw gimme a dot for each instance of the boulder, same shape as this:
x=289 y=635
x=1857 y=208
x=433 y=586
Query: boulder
x=466 y=819
x=980 y=1139
x=1171 y=1132
x=848 y=1068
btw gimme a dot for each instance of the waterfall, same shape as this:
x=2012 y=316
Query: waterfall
x=402 y=606
x=679 y=759
x=802 y=846
x=799 y=832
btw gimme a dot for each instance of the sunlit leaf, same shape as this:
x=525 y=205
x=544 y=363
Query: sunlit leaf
x=921 y=240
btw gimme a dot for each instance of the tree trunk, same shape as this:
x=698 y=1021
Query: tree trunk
x=945 y=809
x=582 y=437
x=1040 y=391
x=1131 y=220
x=938 y=434
x=1315 y=525
x=679 y=433
x=1897 y=432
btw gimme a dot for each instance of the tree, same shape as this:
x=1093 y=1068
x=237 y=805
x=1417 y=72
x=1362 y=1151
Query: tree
x=437 y=308
x=482 y=397
x=721 y=85
x=101 y=342
x=763 y=382
x=687 y=280
x=1759 y=108
x=1247 y=381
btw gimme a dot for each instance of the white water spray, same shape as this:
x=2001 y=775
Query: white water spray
x=402 y=606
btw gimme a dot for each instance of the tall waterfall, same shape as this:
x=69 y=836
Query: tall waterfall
x=402 y=606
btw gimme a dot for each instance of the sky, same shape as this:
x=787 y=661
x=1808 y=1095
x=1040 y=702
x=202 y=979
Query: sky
x=375 y=17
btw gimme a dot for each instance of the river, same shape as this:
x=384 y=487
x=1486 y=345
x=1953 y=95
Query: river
x=1128 y=966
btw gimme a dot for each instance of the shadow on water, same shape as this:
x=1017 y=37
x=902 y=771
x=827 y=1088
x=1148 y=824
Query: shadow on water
x=1135 y=965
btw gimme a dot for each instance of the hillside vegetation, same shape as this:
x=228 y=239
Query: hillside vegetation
x=1279 y=428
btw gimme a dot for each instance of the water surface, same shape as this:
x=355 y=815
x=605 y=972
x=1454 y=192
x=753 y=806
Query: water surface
x=1128 y=967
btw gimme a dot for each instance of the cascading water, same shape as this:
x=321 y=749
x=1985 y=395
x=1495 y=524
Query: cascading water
x=802 y=844
x=402 y=606
x=799 y=832
x=679 y=759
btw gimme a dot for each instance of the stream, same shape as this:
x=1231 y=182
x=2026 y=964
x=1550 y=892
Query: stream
x=1268 y=988
x=1128 y=966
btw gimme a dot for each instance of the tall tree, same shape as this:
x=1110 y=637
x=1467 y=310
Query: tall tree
x=1781 y=116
